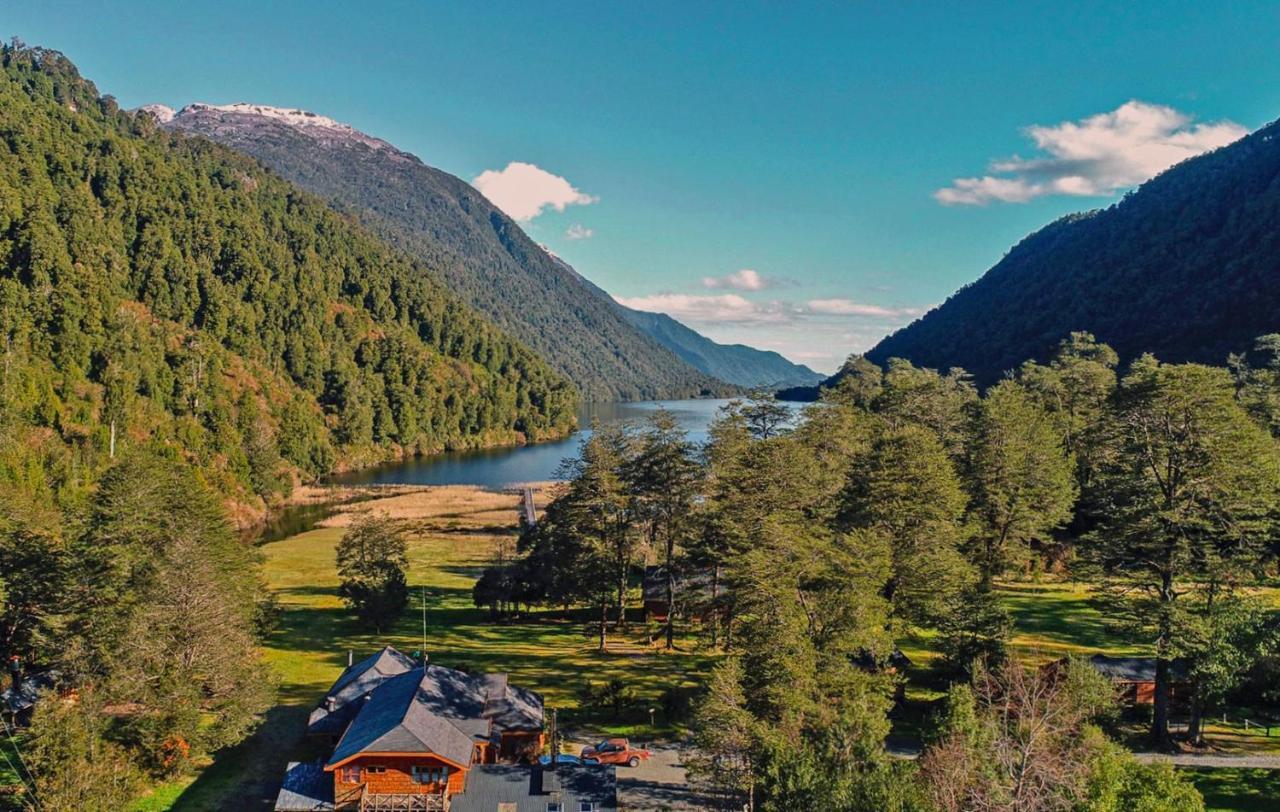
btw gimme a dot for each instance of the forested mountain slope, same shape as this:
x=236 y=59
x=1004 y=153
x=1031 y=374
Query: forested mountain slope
x=155 y=287
x=1187 y=267
x=479 y=252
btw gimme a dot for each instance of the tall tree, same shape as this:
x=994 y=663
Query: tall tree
x=1185 y=498
x=597 y=510
x=906 y=488
x=371 y=558
x=663 y=478
x=1020 y=477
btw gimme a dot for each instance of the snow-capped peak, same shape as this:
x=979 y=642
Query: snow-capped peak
x=294 y=118
x=162 y=112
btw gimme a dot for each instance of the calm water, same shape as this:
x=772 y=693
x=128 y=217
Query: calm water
x=503 y=466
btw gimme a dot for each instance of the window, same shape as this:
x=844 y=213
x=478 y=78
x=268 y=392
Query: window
x=429 y=775
x=555 y=806
x=350 y=775
x=375 y=768
x=586 y=806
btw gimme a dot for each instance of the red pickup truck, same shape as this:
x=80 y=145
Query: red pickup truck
x=615 y=751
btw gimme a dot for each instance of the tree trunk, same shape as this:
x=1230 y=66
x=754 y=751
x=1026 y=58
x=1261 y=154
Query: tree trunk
x=604 y=623
x=715 y=605
x=671 y=594
x=1195 y=724
x=1160 y=718
x=622 y=597
x=111 y=446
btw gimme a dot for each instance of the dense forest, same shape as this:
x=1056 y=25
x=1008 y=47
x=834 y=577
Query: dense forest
x=1184 y=267
x=161 y=289
x=476 y=250
x=890 y=512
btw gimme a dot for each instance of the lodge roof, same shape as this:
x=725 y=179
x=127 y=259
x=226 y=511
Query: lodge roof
x=439 y=710
x=306 y=788
x=530 y=788
x=1134 y=669
x=349 y=692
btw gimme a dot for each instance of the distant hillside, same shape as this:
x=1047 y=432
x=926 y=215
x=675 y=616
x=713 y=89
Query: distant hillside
x=479 y=252
x=1187 y=267
x=736 y=363
x=163 y=290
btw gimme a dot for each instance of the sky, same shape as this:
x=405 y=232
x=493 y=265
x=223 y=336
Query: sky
x=800 y=177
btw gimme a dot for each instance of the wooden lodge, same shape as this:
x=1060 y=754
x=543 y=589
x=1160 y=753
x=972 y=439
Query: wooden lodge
x=1134 y=677
x=410 y=737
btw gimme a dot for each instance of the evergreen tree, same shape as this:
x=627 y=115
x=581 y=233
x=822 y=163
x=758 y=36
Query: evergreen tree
x=371 y=558
x=1183 y=502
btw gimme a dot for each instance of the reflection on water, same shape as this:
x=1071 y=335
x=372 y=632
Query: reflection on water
x=498 y=467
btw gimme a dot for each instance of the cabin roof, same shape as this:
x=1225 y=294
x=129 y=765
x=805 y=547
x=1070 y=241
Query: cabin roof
x=438 y=710
x=530 y=788
x=1134 y=669
x=306 y=788
x=352 y=687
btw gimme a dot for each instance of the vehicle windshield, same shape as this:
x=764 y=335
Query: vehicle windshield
x=602 y=746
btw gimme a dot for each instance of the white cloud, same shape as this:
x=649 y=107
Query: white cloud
x=848 y=307
x=724 y=308
x=745 y=279
x=524 y=191
x=731 y=308
x=1096 y=156
x=577 y=231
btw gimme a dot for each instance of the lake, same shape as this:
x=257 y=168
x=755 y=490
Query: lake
x=498 y=467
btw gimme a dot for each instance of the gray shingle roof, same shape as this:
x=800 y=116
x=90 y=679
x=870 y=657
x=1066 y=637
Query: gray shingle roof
x=306 y=788
x=402 y=715
x=348 y=694
x=511 y=707
x=423 y=709
x=531 y=788
x=1134 y=669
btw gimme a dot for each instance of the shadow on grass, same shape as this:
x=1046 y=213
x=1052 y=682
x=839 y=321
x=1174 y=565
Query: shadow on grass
x=248 y=775
x=1237 y=790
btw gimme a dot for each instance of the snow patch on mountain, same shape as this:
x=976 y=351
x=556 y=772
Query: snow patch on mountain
x=163 y=113
x=244 y=116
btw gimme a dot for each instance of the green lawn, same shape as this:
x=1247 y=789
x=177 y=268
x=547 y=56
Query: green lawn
x=455 y=532
x=1238 y=790
x=453 y=539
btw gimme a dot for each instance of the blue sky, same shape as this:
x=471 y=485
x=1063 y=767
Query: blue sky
x=807 y=143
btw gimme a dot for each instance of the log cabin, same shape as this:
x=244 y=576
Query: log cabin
x=407 y=736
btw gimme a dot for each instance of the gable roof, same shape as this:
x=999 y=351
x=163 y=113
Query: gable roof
x=427 y=708
x=349 y=692
x=531 y=788
x=511 y=707
x=1135 y=669
x=403 y=716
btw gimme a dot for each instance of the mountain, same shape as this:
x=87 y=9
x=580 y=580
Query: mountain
x=736 y=363
x=479 y=252
x=1186 y=267
x=167 y=291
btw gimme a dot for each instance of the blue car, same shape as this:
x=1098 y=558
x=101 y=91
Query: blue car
x=566 y=758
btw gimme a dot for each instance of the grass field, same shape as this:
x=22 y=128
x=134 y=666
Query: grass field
x=455 y=532
x=1238 y=790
